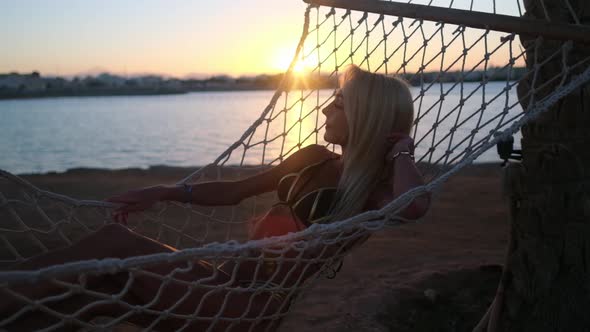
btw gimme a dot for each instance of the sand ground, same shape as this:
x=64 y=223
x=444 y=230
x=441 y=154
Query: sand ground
x=453 y=254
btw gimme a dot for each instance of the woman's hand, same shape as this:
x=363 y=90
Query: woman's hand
x=135 y=201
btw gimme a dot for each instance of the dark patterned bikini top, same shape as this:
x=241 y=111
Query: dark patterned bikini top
x=313 y=207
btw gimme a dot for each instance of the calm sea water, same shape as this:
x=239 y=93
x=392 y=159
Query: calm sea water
x=56 y=134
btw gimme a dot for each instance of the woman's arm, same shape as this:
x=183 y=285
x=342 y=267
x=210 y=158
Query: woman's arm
x=233 y=192
x=219 y=192
x=407 y=176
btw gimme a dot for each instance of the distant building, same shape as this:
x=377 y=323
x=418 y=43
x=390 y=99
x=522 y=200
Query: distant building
x=149 y=81
x=11 y=81
x=111 y=80
x=174 y=84
x=219 y=81
x=56 y=83
x=22 y=83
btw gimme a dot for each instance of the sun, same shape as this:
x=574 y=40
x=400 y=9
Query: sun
x=283 y=59
x=299 y=67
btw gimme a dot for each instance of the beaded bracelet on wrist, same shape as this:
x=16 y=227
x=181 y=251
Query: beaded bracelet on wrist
x=402 y=153
x=188 y=192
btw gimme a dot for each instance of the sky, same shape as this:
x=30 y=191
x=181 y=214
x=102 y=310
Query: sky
x=172 y=37
x=178 y=38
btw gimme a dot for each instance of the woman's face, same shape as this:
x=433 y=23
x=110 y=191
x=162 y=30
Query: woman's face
x=336 y=123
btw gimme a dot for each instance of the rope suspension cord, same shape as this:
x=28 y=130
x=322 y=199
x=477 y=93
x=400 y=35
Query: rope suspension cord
x=474 y=19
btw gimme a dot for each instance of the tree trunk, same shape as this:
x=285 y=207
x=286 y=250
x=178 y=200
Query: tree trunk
x=548 y=285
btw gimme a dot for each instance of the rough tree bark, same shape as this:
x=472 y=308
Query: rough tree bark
x=548 y=284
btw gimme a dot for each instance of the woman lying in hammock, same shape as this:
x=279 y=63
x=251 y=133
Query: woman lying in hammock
x=370 y=118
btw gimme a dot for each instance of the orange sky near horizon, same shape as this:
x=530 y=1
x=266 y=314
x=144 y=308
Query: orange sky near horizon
x=173 y=38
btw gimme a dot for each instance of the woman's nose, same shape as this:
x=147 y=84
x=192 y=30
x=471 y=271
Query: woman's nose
x=325 y=110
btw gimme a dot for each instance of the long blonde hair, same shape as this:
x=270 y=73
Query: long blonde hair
x=375 y=106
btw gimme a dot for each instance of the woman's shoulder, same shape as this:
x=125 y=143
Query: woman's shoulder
x=303 y=158
x=314 y=153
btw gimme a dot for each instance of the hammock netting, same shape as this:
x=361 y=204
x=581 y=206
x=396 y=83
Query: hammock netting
x=464 y=82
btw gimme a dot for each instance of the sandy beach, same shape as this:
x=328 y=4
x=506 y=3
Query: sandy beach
x=436 y=275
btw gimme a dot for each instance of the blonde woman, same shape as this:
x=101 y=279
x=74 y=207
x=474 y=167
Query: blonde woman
x=370 y=118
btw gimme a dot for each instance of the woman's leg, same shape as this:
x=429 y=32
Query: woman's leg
x=111 y=241
x=174 y=295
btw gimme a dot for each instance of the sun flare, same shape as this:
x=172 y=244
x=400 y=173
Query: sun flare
x=299 y=67
x=284 y=58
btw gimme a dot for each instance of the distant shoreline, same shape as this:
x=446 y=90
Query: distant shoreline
x=117 y=93
x=26 y=86
x=151 y=92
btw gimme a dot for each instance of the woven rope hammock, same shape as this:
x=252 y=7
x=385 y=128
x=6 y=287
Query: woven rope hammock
x=464 y=62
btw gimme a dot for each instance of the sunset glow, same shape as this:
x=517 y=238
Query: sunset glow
x=173 y=38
